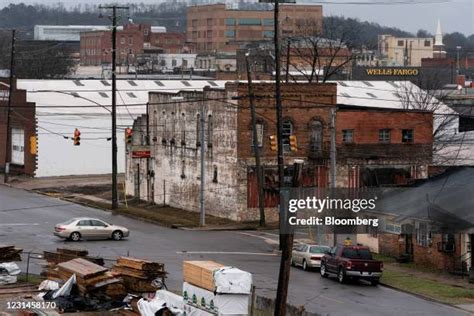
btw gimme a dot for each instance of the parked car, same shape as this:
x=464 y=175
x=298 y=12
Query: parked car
x=76 y=229
x=351 y=262
x=308 y=255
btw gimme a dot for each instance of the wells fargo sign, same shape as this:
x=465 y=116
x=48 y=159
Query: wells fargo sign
x=392 y=71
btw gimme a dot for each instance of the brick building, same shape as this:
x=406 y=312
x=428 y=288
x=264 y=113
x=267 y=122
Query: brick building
x=375 y=145
x=132 y=40
x=22 y=129
x=216 y=28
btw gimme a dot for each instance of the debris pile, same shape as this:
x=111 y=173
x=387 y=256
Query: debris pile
x=92 y=279
x=9 y=253
x=63 y=255
x=140 y=276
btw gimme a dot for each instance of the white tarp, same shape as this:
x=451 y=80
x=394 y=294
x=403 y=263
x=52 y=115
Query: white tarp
x=231 y=280
x=8 y=273
x=65 y=290
x=163 y=299
x=220 y=304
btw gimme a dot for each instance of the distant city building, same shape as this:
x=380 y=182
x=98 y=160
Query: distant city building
x=404 y=51
x=132 y=40
x=73 y=32
x=216 y=28
x=365 y=57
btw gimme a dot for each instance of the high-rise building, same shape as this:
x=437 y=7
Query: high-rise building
x=216 y=28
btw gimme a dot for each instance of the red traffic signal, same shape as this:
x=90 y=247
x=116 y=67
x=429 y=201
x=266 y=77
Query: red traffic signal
x=77 y=137
x=128 y=135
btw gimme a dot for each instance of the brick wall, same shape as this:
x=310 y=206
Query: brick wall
x=390 y=245
x=22 y=116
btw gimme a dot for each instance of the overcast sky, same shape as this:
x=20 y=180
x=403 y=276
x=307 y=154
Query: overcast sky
x=455 y=15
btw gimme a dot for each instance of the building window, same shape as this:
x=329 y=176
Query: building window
x=214 y=174
x=260 y=129
x=268 y=22
x=347 y=135
x=230 y=33
x=427 y=43
x=183 y=129
x=230 y=21
x=210 y=130
x=122 y=40
x=209 y=22
x=250 y=21
x=384 y=136
x=422 y=235
x=316 y=136
x=268 y=34
x=286 y=133
x=407 y=136
x=198 y=130
x=130 y=40
x=400 y=43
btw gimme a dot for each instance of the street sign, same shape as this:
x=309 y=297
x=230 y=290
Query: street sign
x=141 y=152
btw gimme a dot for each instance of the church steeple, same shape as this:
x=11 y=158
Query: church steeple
x=438 y=46
x=439 y=35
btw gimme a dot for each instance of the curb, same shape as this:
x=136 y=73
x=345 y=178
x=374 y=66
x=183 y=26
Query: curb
x=424 y=297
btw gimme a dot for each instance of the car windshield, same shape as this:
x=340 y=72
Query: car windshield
x=318 y=249
x=357 y=253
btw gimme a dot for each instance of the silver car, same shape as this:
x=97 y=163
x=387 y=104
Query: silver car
x=308 y=255
x=76 y=229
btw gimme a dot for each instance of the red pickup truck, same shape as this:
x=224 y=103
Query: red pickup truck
x=351 y=262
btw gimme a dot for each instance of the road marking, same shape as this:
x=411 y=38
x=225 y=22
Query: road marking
x=19 y=224
x=226 y=253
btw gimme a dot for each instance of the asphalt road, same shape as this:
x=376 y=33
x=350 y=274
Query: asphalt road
x=27 y=220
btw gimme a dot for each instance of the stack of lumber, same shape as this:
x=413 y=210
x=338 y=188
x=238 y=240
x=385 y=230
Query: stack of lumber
x=62 y=255
x=92 y=278
x=138 y=274
x=201 y=273
x=9 y=253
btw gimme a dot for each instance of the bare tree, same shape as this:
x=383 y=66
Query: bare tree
x=447 y=142
x=319 y=53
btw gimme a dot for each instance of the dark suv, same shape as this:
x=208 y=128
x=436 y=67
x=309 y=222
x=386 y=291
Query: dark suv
x=351 y=262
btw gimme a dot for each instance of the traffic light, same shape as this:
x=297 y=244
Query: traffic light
x=33 y=146
x=77 y=137
x=293 y=144
x=273 y=143
x=128 y=135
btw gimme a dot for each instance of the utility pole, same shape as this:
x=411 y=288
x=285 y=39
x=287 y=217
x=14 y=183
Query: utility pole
x=286 y=238
x=332 y=158
x=458 y=48
x=203 y=170
x=288 y=51
x=10 y=93
x=256 y=149
x=114 y=9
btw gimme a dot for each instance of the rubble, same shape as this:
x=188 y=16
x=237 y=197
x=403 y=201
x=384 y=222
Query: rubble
x=9 y=253
x=9 y=272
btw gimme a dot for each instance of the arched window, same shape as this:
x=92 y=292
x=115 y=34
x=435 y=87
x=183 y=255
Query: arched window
x=316 y=136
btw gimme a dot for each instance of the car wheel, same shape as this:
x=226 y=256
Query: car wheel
x=374 y=282
x=117 y=235
x=75 y=236
x=322 y=270
x=305 y=265
x=341 y=276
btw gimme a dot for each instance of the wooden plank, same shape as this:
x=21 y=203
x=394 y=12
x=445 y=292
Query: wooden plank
x=200 y=273
x=73 y=251
x=138 y=273
x=140 y=264
x=82 y=268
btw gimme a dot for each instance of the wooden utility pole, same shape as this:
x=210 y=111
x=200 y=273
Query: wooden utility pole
x=332 y=158
x=256 y=148
x=114 y=9
x=286 y=238
x=10 y=94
